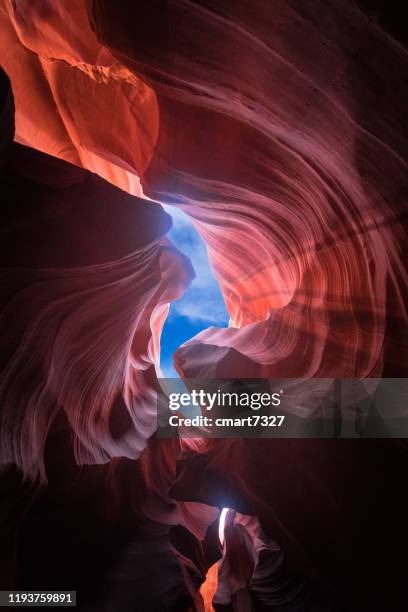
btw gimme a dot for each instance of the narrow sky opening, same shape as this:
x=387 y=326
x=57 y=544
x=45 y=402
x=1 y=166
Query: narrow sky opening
x=221 y=524
x=202 y=305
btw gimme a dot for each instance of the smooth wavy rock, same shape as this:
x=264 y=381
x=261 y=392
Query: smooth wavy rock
x=81 y=327
x=279 y=128
x=293 y=168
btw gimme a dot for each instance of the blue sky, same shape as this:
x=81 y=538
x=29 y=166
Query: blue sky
x=202 y=305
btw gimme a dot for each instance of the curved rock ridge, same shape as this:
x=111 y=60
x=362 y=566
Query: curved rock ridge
x=292 y=167
x=103 y=320
x=89 y=109
x=81 y=326
x=299 y=192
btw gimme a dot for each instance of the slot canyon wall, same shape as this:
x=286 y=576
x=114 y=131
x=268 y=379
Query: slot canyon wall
x=280 y=129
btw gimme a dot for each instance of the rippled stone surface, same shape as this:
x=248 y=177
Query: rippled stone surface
x=279 y=128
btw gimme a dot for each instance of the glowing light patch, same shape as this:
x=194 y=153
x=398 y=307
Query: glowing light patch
x=221 y=525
